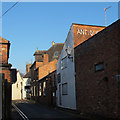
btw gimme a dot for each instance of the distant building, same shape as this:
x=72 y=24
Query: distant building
x=42 y=68
x=66 y=90
x=27 y=86
x=17 y=88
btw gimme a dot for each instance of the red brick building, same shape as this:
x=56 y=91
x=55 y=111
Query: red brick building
x=42 y=71
x=8 y=76
x=66 y=93
x=97 y=78
x=4 y=55
x=44 y=91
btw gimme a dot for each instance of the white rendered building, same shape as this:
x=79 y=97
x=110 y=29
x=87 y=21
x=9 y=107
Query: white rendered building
x=17 y=88
x=66 y=92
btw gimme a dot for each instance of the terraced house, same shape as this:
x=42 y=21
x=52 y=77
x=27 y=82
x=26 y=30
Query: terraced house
x=66 y=90
x=43 y=77
x=89 y=72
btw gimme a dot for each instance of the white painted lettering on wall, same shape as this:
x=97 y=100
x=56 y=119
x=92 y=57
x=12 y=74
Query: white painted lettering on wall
x=86 y=32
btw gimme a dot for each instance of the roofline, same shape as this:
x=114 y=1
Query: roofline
x=81 y=25
x=4 y=39
x=46 y=63
x=47 y=75
x=97 y=33
x=54 y=45
x=87 y=25
x=39 y=53
x=32 y=64
x=46 y=50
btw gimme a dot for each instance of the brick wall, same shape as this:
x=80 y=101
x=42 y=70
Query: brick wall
x=97 y=92
x=45 y=58
x=4 y=50
x=7 y=74
x=82 y=32
x=33 y=67
x=48 y=98
x=47 y=68
x=28 y=68
x=5 y=68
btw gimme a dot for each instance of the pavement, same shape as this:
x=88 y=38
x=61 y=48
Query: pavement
x=29 y=110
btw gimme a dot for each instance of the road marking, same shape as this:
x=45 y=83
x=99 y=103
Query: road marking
x=20 y=112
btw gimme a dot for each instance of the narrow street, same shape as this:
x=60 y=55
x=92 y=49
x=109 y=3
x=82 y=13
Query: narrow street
x=28 y=110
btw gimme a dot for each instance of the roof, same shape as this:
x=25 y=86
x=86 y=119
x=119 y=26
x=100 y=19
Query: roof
x=39 y=52
x=48 y=75
x=3 y=40
x=98 y=33
x=56 y=47
x=87 y=25
x=28 y=75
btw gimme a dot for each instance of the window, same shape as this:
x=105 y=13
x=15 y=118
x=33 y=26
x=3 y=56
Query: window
x=64 y=63
x=37 y=90
x=17 y=85
x=44 y=88
x=99 y=67
x=58 y=78
x=56 y=53
x=40 y=90
x=64 y=89
x=34 y=90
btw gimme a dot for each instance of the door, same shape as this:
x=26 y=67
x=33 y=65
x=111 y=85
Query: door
x=60 y=103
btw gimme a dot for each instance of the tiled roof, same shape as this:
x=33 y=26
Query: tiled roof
x=40 y=52
x=28 y=75
x=2 y=40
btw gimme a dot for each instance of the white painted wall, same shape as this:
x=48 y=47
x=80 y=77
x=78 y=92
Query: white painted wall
x=26 y=82
x=17 y=87
x=67 y=76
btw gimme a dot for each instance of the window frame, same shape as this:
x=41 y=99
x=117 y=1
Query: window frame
x=65 y=65
x=58 y=78
x=56 y=52
x=98 y=65
x=66 y=91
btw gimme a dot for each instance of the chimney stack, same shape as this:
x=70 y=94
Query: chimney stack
x=53 y=42
x=45 y=57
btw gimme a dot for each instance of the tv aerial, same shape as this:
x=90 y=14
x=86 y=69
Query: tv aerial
x=105 y=9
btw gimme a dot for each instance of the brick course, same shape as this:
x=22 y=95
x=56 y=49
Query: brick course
x=97 y=92
x=43 y=70
x=82 y=32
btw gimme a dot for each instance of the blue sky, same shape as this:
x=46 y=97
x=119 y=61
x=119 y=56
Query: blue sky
x=36 y=24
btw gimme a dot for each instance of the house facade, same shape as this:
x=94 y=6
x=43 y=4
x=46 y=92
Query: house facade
x=66 y=90
x=7 y=76
x=27 y=82
x=26 y=88
x=41 y=71
x=97 y=68
x=17 y=88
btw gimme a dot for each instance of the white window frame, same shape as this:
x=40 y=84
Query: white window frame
x=64 y=65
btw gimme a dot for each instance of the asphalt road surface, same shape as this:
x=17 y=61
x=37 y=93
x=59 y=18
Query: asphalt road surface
x=28 y=110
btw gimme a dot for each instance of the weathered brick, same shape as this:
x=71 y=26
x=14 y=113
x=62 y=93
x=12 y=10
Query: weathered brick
x=98 y=92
